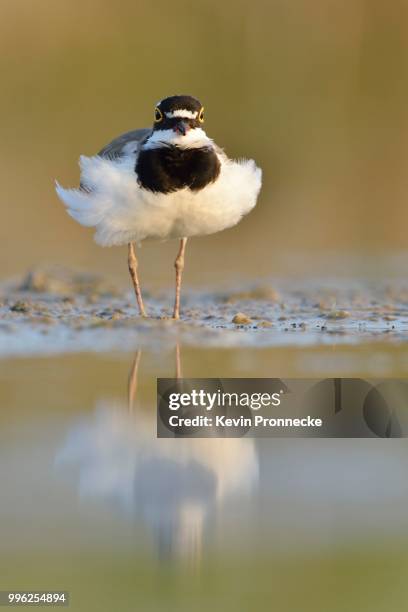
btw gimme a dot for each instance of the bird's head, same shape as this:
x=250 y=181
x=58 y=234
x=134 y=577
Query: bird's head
x=178 y=114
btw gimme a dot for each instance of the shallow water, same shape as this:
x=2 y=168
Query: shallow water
x=93 y=503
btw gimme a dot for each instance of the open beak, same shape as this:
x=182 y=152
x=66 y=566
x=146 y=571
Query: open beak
x=181 y=127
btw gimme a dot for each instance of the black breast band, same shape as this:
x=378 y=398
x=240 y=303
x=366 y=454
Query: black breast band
x=171 y=168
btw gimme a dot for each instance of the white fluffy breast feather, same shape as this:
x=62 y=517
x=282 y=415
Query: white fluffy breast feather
x=123 y=212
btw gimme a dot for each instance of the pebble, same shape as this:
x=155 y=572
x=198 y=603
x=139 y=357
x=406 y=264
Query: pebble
x=338 y=314
x=21 y=306
x=241 y=319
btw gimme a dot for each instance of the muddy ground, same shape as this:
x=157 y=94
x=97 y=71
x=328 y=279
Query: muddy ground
x=51 y=311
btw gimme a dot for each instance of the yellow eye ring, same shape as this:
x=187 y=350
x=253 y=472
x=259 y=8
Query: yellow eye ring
x=158 y=115
x=201 y=115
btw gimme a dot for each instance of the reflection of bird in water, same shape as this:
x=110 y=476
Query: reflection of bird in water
x=174 y=486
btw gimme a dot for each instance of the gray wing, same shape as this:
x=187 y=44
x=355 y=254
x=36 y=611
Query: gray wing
x=125 y=144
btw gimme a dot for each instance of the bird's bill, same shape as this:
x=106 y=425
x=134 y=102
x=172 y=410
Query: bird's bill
x=181 y=127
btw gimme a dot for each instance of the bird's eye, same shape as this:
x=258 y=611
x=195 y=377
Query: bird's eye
x=158 y=115
x=201 y=115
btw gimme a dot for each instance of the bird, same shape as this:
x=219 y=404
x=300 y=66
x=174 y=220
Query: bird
x=170 y=181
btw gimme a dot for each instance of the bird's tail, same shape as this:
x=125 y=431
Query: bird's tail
x=109 y=199
x=81 y=204
x=78 y=205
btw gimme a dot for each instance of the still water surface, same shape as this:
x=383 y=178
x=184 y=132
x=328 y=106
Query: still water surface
x=93 y=503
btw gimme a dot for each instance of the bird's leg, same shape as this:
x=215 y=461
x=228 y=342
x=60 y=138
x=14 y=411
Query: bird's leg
x=132 y=263
x=179 y=265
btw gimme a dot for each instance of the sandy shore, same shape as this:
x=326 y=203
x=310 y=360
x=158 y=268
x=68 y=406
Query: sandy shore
x=59 y=311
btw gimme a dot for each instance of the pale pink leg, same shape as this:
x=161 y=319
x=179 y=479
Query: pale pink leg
x=179 y=265
x=132 y=263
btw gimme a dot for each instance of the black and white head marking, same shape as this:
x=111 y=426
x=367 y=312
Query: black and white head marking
x=171 y=112
x=178 y=121
x=178 y=153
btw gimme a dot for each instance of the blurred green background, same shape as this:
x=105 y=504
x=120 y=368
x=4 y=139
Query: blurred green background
x=316 y=92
